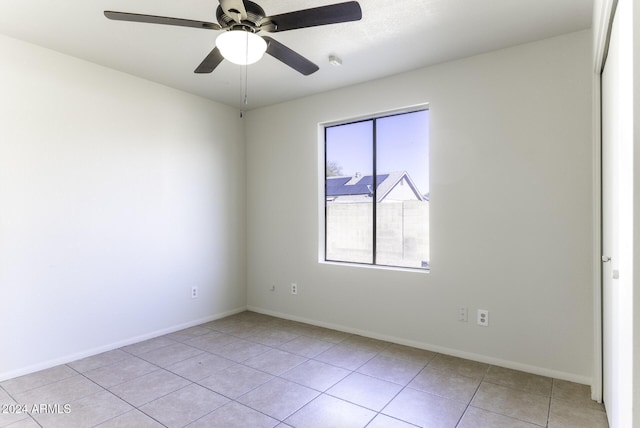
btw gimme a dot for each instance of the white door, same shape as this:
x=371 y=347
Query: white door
x=617 y=168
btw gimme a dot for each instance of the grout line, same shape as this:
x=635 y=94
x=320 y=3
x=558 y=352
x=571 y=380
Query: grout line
x=39 y=386
x=105 y=389
x=129 y=411
x=10 y=394
x=553 y=385
x=473 y=396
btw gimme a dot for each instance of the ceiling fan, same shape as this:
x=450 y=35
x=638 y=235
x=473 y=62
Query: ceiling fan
x=242 y=20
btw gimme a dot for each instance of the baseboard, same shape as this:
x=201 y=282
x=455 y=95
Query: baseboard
x=572 y=377
x=115 y=345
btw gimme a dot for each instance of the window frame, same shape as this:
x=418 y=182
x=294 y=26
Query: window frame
x=322 y=177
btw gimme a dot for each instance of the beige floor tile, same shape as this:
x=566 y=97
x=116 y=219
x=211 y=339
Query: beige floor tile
x=235 y=380
x=446 y=384
x=171 y=354
x=184 y=406
x=24 y=423
x=384 y=421
x=272 y=337
x=211 y=342
x=13 y=412
x=37 y=379
x=234 y=415
x=408 y=353
x=423 y=409
x=315 y=374
x=330 y=412
x=238 y=328
x=5 y=398
x=148 y=345
x=511 y=402
x=365 y=344
x=365 y=391
x=459 y=365
x=306 y=346
x=516 y=379
x=566 y=414
x=222 y=323
x=120 y=372
x=285 y=324
x=188 y=333
x=200 y=366
x=278 y=398
x=576 y=393
x=215 y=324
x=100 y=360
x=244 y=332
x=275 y=361
x=241 y=350
x=86 y=412
x=147 y=388
x=391 y=369
x=131 y=419
x=478 y=418
x=345 y=357
x=60 y=392
x=13 y=415
x=326 y=334
x=298 y=328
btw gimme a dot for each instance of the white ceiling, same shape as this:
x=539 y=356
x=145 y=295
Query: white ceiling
x=393 y=36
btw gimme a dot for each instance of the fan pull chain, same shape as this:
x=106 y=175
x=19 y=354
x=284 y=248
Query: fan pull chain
x=241 y=86
x=246 y=71
x=245 y=101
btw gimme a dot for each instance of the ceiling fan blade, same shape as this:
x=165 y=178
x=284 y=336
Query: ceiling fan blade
x=290 y=57
x=152 y=19
x=234 y=9
x=210 y=62
x=323 y=15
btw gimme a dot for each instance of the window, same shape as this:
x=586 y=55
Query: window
x=377 y=191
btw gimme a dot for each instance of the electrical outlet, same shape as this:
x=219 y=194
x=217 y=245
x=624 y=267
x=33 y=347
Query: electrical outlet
x=294 y=288
x=194 y=292
x=483 y=317
x=273 y=288
x=462 y=314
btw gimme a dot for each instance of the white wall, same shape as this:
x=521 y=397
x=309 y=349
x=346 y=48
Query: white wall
x=511 y=211
x=117 y=195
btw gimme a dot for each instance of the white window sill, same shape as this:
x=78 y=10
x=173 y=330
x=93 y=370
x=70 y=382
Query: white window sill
x=379 y=267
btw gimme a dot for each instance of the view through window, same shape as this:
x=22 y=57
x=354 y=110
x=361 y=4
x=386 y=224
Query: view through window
x=377 y=191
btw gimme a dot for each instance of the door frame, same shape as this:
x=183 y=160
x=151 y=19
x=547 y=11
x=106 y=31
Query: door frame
x=604 y=11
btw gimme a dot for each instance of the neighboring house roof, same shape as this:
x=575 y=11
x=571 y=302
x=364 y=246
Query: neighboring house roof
x=360 y=188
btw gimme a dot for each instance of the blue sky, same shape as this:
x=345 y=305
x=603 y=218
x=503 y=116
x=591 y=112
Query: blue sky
x=402 y=145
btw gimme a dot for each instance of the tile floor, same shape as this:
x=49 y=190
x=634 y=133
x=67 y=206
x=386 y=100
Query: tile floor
x=251 y=370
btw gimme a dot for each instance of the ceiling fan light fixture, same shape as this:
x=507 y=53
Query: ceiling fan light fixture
x=241 y=47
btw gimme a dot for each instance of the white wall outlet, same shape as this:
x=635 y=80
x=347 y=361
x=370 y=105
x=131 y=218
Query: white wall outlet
x=273 y=288
x=294 y=288
x=462 y=314
x=483 y=317
x=194 y=292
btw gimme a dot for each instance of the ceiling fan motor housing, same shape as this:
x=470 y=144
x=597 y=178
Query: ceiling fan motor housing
x=255 y=14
